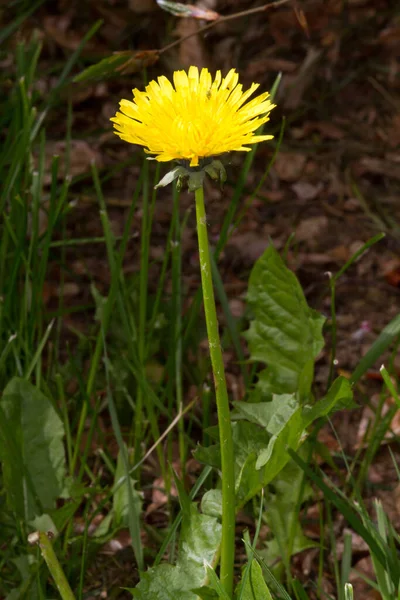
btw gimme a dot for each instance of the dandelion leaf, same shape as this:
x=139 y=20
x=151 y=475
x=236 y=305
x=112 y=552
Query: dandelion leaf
x=31 y=449
x=253 y=586
x=285 y=332
x=198 y=544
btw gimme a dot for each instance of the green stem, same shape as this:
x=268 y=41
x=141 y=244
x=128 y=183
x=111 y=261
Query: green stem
x=54 y=567
x=221 y=394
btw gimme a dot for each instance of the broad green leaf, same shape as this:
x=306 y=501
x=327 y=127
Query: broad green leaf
x=288 y=436
x=253 y=586
x=285 y=333
x=211 y=503
x=198 y=544
x=265 y=414
x=264 y=431
x=31 y=449
x=44 y=523
x=261 y=451
x=208 y=455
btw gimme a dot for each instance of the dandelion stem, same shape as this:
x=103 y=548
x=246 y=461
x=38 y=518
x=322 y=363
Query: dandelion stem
x=54 y=566
x=221 y=394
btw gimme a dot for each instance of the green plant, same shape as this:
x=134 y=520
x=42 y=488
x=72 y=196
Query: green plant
x=50 y=477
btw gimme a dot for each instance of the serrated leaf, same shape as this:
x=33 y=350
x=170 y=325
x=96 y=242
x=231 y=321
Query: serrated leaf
x=259 y=455
x=198 y=544
x=285 y=333
x=117 y=64
x=275 y=455
x=31 y=449
x=264 y=433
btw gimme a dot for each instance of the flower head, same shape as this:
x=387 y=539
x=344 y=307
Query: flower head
x=194 y=118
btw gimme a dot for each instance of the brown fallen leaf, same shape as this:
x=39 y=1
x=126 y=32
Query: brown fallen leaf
x=306 y=191
x=309 y=230
x=301 y=17
x=289 y=165
x=391 y=272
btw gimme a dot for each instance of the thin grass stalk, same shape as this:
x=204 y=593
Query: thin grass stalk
x=97 y=355
x=144 y=271
x=133 y=513
x=221 y=395
x=177 y=326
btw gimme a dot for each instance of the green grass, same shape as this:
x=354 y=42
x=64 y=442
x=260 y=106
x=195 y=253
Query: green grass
x=132 y=366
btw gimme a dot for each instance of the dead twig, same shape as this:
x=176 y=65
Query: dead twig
x=224 y=19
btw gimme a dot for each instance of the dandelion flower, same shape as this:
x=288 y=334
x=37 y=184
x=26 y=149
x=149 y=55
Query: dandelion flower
x=195 y=118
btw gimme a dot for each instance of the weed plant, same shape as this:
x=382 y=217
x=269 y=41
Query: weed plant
x=49 y=480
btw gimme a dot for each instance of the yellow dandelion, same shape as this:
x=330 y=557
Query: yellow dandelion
x=195 y=118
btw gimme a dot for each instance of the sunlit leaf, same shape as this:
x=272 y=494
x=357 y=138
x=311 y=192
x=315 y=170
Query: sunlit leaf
x=198 y=544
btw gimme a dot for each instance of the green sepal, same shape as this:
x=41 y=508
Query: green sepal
x=194 y=178
x=177 y=173
x=216 y=171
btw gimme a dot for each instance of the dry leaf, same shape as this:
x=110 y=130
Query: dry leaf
x=289 y=166
x=306 y=191
x=310 y=229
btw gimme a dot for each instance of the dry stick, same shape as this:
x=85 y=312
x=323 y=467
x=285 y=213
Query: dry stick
x=223 y=19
